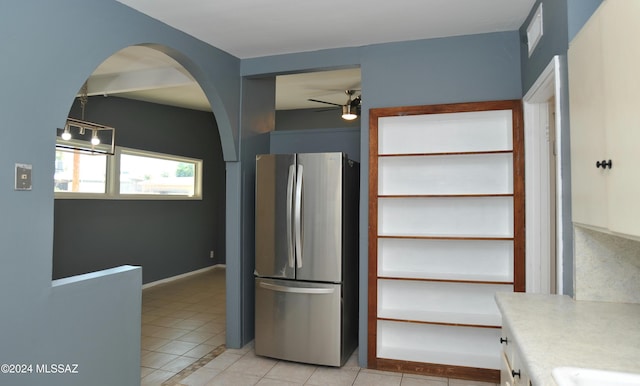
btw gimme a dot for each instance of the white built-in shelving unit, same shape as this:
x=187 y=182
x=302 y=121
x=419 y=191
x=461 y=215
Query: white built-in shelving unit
x=446 y=214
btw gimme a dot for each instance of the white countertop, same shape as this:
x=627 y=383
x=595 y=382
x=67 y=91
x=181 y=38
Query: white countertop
x=555 y=330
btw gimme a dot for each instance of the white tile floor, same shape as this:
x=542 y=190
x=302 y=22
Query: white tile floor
x=183 y=335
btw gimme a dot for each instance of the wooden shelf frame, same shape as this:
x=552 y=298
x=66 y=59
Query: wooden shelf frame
x=438 y=370
x=479 y=374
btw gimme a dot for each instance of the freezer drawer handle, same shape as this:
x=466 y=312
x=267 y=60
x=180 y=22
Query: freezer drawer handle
x=297 y=290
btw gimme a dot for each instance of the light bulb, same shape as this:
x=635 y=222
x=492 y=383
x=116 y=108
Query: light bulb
x=347 y=113
x=66 y=135
x=94 y=138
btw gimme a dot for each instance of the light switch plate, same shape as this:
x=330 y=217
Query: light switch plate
x=23 y=176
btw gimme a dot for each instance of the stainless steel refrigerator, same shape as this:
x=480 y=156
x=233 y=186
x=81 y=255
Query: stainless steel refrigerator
x=306 y=266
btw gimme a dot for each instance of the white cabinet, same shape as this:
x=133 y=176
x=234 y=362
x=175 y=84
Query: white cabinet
x=446 y=233
x=604 y=87
x=586 y=100
x=512 y=372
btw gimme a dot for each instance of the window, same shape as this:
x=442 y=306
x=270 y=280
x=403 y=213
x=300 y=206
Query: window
x=145 y=173
x=78 y=172
x=129 y=174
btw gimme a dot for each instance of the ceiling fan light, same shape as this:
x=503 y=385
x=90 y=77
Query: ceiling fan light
x=347 y=114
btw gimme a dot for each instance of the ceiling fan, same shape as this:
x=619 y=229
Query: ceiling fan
x=351 y=109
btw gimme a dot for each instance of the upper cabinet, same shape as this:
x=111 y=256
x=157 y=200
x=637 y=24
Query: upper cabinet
x=604 y=91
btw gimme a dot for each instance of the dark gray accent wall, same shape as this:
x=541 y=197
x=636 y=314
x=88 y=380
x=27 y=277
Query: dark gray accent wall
x=165 y=237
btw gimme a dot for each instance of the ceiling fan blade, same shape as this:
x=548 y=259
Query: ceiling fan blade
x=329 y=103
x=337 y=90
x=327 y=109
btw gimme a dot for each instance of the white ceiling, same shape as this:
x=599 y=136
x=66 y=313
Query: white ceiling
x=251 y=28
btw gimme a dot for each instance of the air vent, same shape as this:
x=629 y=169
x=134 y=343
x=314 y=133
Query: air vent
x=534 y=30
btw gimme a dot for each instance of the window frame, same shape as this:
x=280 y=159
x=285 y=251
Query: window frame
x=115 y=175
x=112 y=183
x=88 y=195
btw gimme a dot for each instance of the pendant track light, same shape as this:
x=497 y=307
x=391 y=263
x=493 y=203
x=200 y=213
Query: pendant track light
x=101 y=141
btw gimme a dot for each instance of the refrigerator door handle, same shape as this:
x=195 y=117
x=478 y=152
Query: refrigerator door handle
x=289 y=220
x=298 y=216
x=297 y=290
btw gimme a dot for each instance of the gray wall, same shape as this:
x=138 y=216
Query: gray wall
x=459 y=69
x=49 y=48
x=115 y=326
x=312 y=119
x=553 y=42
x=579 y=13
x=562 y=20
x=165 y=237
x=257 y=121
x=317 y=141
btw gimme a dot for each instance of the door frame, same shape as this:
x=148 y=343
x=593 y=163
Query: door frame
x=537 y=176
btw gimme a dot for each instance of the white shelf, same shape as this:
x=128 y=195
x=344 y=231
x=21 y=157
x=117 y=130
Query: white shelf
x=483 y=361
x=446 y=216
x=445 y=236
x=446 y=133
x=445 y=276
x=472 y=260
x=446 y=174
x=442 y=302
x=452 y=345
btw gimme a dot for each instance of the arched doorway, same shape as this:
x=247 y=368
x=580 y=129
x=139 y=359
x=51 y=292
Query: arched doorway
x=162 y=119
x=135 y=91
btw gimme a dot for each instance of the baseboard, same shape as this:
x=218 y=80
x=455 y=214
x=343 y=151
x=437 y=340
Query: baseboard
x=172 y=278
